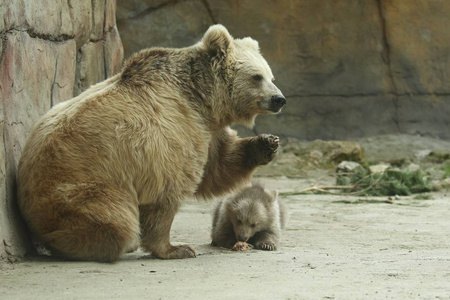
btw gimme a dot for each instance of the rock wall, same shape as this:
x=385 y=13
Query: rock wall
x=51 y=50
x=348 y=68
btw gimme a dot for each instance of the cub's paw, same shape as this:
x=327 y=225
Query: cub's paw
x=177 y=252
x=241 y=246
x=267 y=148
x=268 y=246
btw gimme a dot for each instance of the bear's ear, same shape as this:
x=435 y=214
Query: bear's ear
x=217 y=40
x=251 y=43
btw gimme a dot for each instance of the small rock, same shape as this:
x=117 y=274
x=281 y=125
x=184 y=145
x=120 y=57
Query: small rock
x=348 y=167
x=422 y=154
x=380 y=168
x=413 y=167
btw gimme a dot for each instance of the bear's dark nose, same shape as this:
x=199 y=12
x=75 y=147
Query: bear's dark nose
x=242 y=238
x=277 y=102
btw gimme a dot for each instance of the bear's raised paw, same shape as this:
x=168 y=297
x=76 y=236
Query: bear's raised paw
x=267 y=148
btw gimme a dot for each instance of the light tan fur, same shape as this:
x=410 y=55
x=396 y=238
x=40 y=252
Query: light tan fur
x=111 y=166
x=253 y=215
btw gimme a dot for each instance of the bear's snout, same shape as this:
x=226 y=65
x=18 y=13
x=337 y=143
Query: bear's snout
x=277 y=102
x=242 y=238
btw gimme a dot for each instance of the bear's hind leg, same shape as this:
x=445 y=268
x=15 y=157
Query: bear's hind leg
x=98 y=228
x=156 y=221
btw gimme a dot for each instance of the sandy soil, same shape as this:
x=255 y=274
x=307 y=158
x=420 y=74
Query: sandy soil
x=335 y=247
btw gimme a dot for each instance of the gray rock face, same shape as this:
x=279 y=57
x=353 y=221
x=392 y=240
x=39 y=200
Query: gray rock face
x=177 y=24
x=90 y=67
x=50 y=52
x=81 y=15
x=348 y=68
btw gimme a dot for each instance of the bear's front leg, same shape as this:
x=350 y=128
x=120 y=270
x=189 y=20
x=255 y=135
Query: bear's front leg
x=223 y=236
x=266 y=240
x=156 y=221
x=232 y=161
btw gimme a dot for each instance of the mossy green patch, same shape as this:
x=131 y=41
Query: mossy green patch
x=446 y=169
x=388 y=183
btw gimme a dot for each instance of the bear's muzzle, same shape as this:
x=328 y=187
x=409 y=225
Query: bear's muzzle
x=277 y=102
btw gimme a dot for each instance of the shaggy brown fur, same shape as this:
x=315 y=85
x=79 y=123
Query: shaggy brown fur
x=112 y=166
x=253 y=216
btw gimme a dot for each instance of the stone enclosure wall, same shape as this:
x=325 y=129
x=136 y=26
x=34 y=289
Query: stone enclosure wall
x=348 y=68
x=51 y=50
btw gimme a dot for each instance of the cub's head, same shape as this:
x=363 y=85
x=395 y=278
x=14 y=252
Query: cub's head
x=249 y=88
x=252 y=210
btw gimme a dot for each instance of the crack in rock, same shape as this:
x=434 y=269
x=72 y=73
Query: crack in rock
x=43 y=36
x=149 y=10
x=15 y=123
x=387 y=58
x=53 y=84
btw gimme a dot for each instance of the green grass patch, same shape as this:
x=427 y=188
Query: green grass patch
x=388 y=183
x=446 y=169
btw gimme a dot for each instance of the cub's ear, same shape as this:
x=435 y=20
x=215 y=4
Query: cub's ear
x=274 y=194
x=217 y=40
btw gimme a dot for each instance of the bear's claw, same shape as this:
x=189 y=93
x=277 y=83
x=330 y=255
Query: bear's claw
x=268 y=246
x=268 y=146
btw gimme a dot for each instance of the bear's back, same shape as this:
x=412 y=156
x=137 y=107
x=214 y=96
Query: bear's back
x=110 y=134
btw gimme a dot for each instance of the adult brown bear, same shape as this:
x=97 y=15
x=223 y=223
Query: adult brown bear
x=112 y=166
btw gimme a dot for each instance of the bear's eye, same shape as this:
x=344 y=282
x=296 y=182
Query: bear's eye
x=239 y=221
x=253 y=225
x=257 y=77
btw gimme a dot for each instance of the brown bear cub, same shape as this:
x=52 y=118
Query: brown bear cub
x=253 y=216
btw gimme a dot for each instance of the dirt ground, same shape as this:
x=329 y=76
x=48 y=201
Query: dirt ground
x=335 y=247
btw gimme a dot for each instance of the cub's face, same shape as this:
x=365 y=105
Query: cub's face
x=254 y=91
x=248 y=217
